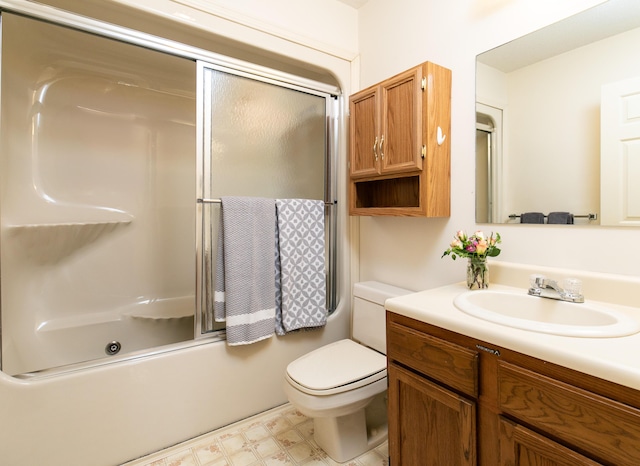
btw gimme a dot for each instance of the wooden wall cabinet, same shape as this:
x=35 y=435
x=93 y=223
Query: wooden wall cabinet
x=399 y=142
x=456 y=400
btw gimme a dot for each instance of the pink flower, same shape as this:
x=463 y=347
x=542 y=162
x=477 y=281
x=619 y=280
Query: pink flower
x=482 y=246
x=461 y=235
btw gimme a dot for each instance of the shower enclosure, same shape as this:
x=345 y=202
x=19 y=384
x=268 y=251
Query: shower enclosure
x=106 y=147
x=488 y=163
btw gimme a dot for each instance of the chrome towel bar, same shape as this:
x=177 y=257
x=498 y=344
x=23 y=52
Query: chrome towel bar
x=219 y=201
x=589 y=216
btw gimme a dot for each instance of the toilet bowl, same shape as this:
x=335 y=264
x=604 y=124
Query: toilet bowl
x=343 y=385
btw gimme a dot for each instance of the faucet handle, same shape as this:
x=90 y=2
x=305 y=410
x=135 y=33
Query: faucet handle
x=536 y=284
x=572 y=287
x=536 y=280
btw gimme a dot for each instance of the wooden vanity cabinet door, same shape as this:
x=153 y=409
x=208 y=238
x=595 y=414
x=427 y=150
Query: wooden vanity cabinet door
x=430 y=425
x=520 y=446
x=364 y=132
x=601 y=427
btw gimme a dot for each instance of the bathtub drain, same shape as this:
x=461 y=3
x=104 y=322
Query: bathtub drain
x=113 y=348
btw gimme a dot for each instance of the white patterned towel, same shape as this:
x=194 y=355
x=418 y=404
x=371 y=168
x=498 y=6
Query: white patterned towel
x=245 y=275
x=300 y=265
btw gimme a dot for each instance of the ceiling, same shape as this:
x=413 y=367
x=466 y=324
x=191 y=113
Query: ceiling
x=596 y=23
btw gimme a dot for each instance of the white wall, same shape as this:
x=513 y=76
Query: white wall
x=325 y=25
x=406 y=251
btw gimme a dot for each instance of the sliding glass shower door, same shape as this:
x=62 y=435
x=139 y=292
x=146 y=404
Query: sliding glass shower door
x=260 y=138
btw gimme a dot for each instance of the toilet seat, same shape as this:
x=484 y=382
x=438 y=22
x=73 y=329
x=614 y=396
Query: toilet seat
x=335 y=368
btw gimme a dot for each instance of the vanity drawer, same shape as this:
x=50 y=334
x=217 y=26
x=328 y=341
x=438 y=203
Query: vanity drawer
x=607 y=429
x=448 y=363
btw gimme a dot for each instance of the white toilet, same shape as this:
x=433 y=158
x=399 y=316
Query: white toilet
x=343 y=385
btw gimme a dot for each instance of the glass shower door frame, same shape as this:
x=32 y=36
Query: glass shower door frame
x=204 y=200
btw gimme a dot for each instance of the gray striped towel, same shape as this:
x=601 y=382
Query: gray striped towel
x=300 y=265
x=245 y=272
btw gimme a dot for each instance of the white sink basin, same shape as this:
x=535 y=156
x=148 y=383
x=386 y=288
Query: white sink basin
x=543 y=315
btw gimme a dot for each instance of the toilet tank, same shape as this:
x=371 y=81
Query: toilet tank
x=368 y=324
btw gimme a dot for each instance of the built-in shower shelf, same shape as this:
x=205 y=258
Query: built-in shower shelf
x=163 y=309
x=78 y=320
x=51 y=242
x=177 y=314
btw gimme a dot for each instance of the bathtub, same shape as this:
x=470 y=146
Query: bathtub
x=94 y=337
x=107 y=414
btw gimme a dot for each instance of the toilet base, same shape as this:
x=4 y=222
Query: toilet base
x=345 y=437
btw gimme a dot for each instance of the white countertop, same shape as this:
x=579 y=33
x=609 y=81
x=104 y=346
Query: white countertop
x=615 y=359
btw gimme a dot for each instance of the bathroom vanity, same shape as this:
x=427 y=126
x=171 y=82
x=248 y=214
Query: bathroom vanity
x=464 y=391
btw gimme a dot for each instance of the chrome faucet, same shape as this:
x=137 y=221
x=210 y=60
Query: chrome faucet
x=547 y=288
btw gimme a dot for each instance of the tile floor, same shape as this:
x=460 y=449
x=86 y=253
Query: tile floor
x=281 y=436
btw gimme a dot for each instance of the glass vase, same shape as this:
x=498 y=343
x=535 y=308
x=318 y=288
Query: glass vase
x=477 y=273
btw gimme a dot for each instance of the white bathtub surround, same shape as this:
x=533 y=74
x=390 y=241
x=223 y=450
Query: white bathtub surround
x=98 y=222
x=279 y=436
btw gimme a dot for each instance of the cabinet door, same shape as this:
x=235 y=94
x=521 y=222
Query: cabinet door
x=428 y=424
x=567 y=412
x=401 y=123
x=521 y=447
x=363 y=131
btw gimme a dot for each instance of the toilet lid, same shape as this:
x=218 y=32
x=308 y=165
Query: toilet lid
x=337 y=364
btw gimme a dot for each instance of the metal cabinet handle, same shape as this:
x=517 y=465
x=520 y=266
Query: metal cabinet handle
x=381 y=143
x=375 y=149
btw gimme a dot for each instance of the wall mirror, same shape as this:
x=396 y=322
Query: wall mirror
x=558 y=122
